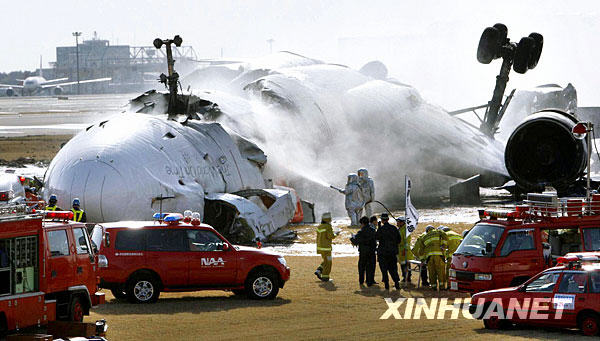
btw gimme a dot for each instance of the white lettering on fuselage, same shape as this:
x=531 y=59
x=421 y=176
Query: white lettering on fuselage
x=216 y=262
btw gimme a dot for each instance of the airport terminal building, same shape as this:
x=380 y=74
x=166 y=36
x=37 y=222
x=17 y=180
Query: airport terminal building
x=132 y=68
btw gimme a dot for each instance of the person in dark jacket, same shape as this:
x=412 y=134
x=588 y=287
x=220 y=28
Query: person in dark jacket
x=367 y=244
x=387 y=251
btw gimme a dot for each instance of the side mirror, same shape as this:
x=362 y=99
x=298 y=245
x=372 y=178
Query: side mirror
x=488 y=247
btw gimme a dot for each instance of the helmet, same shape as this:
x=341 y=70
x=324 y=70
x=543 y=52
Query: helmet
x=363 y=173
x=326 y=217
x=429 y=228
x=352 y=178
x=385 y=216
x=53 y=199
x=465 y=232
x=76 y=202
x=446 y=229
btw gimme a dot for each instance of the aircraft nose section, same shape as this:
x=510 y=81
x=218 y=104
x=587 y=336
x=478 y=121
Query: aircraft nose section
x=99 y=186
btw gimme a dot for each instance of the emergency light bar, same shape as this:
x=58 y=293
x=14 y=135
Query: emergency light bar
x=173 y=218
x=59 y=215
x=160 y=216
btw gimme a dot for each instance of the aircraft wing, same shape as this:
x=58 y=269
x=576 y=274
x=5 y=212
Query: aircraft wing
x=12 y=86
x=57 y=80
x=75 y=82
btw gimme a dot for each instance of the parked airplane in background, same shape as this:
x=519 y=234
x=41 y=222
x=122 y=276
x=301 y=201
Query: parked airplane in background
x=36 y=84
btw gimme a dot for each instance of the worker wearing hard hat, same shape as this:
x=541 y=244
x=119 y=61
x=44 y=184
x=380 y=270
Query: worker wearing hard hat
x=367 y=188
x=418 y=251
x=404 y=252
x=78 y=213
x=454 y=240
x=435 y=244
x=52 y=203
x=325 y=236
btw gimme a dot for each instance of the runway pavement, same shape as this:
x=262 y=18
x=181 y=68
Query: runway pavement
x=52 y=115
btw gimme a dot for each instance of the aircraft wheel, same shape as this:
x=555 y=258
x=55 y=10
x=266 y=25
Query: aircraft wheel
x=523 y=54
x=488 y=45
x=537 y=50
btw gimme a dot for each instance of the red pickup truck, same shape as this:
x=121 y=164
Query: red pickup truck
x=140 y=259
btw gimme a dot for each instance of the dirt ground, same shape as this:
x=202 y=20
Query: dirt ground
x=38 y=147
x=305 y=309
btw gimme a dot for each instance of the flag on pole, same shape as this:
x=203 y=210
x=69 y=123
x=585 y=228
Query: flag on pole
x=411 y=214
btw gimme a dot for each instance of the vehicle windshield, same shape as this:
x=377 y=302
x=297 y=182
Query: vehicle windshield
x=478 y=236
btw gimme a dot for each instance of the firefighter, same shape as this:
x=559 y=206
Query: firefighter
x=387 y=252
x=52 y=203
x=367 y=244
x=454 y=240
x=354 y=199
x=435 y=244
x=78 y=213
x=417 y=251
x=367 y=188
x=404 y=252
x=324 y=237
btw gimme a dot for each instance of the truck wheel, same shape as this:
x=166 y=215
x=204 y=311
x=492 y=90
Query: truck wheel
x=588 y=324
x=143 y=289
x=119 y=293
x=262 y=285
x=495 y=323
x=76 y=311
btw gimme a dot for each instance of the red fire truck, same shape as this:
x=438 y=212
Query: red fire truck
x=507 y=247
x=47 y=269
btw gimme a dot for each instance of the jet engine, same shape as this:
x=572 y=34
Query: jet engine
x=10 y=92
x=542 y=151
x=57 y=90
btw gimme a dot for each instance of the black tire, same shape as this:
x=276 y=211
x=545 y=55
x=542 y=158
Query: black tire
x=589 y=323
x=488 y=45
x=119 y=293
x=76 y=310
x=143 y=288
x=503 y=34
x=523 y=54
x=262 y=285
x=537 y=50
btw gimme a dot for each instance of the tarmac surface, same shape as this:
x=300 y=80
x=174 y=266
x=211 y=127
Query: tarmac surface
x=54 y=115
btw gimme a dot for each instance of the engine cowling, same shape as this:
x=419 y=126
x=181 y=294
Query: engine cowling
x=57 y=90
x=542 y=151
x=10 y=92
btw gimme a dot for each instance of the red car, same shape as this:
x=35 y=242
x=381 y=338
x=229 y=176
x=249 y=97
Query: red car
x=566 y=296
x=138 y=260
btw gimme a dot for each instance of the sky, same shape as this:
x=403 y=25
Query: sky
x=428 y=44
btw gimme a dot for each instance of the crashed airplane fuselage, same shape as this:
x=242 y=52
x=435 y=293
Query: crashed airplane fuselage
x=135 y=164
